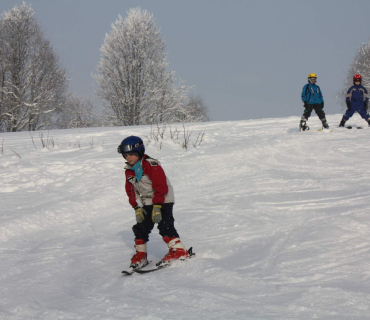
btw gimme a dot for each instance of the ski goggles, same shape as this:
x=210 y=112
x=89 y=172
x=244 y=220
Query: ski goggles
x=127 y=148
x=124 y=149
x=357 y=80
x=312 y=79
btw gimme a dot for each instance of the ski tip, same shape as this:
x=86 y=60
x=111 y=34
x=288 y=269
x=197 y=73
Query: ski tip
x=127 y=273
x=132 y=270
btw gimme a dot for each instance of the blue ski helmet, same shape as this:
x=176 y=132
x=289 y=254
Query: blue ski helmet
x=131 y=144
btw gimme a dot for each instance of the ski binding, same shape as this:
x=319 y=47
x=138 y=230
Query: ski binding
x=160 y=265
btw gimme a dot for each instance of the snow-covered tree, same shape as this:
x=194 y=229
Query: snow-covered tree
x=197 y=109
x=32 y=83
x=76 y=113
x=132 y=74
x=360 y=65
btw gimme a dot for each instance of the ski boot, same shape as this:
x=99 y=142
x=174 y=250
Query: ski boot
x=303 y=125
x=139 y=259
x=324 y=124
x=342 y=123
x=176 y=251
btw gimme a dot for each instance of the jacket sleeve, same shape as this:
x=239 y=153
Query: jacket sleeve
x=348 y=96
x=366 y=95
x=130 y=190
x=321 y=96
x=305 y=97
x=159 y=182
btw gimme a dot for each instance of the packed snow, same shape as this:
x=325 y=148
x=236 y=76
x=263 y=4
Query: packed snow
x=278 y=219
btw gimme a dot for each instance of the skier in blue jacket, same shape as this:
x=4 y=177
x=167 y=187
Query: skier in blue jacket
x=312 y=100
x=356 y=100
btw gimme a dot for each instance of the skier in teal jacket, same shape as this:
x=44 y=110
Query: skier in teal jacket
x=312 y=100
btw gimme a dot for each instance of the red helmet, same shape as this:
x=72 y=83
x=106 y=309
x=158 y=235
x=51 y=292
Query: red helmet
x=356 y=77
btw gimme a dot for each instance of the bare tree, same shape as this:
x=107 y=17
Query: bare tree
x=32 y=84
x=360 y=65
x=76 y=113
x=132 y=73
x=196 y=109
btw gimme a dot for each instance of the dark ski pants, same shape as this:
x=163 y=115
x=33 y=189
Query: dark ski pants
x=318 y=109
x=166 y=227
x=361 y=110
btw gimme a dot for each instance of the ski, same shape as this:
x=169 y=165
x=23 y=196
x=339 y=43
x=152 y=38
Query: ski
x=160 y=266
x=128 y=272
x=153 y=269
x=351 y=127
x=325 y=130
x=306 y=129
x=131 y=271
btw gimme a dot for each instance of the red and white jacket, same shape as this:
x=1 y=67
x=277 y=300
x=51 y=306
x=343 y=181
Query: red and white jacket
x=153 y=188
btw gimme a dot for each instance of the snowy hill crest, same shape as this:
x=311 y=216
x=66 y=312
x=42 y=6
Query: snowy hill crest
x=279 y=221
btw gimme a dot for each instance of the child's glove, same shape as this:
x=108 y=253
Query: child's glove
x=139 y=214
x=157 y=213
x=366 y=105
x=348 y=105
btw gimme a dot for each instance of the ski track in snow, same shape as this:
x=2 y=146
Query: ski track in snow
x=278 y=220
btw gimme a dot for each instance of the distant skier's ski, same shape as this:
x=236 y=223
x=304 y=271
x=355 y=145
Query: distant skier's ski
x=325 y=130
x=351 y=127
x=160 y=266
x=132 y=270
x=306 y=129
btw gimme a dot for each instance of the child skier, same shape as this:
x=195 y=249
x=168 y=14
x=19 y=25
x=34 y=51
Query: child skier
x=151 y=195
x=356 y=100
x=312 y=100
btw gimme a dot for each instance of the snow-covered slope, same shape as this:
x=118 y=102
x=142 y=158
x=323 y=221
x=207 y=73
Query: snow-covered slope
x=279 y=221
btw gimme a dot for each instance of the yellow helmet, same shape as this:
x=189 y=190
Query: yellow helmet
x=312 y=75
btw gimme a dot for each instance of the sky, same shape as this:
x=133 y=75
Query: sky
x=246 y=59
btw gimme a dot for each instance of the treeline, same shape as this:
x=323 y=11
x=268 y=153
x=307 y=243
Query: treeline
x=134 y=84
x=360 y=65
